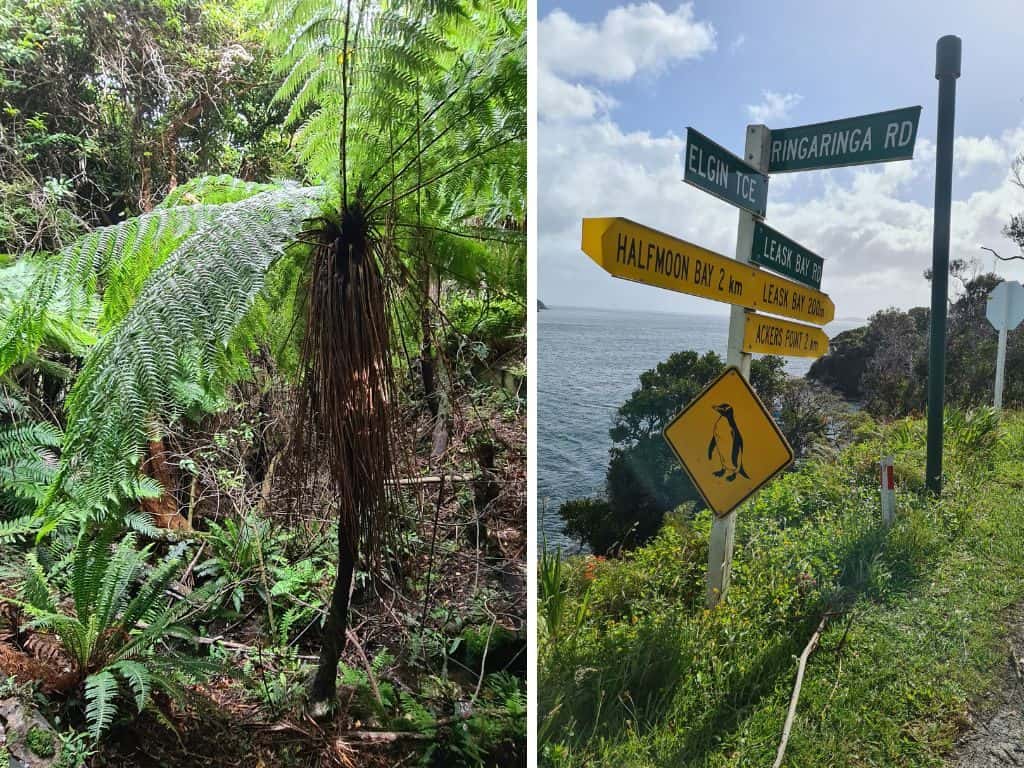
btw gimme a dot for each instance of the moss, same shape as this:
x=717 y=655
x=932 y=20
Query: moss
x=41 y=742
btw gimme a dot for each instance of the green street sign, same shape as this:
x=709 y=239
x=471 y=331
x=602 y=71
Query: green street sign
x=715 y=169
x=776 y=252
x=877 y=138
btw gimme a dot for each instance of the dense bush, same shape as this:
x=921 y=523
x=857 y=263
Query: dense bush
x=498 y=324
x=885 y=363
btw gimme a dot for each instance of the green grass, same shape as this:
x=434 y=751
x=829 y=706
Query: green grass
x=649 y=677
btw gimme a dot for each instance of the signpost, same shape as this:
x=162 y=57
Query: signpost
x=728 y=443
x=726 y=439
x=947 y=70
x=632 y=251
x=773 y=250
x=771 y=336
x=877 y=138
x=716 y=170
x=1005 y=311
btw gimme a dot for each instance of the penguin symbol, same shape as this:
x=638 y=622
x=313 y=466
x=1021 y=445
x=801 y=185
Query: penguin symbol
x=727 y=444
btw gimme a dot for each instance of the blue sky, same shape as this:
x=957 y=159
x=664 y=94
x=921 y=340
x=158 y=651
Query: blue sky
x=619 y=82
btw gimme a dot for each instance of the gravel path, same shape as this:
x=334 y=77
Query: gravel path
x=996 y=734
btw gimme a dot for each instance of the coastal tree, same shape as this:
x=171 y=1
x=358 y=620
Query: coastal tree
x=644 y=479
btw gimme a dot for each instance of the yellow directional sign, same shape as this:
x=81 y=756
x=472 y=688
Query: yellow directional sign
x=632 y=251
x=728 y=443
x=770 y=335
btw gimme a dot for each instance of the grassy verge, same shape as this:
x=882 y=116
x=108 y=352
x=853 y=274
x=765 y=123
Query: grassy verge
x=635 y=672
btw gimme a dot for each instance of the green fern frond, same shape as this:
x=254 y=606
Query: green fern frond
x=60 y=298
x=36 y=587
x=100 y=702
x=139 y=679
x=20 y=527
x=181 y=331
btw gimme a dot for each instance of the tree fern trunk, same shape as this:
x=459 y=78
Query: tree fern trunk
x=324 y=690
x=431 y=295
x=163 y=510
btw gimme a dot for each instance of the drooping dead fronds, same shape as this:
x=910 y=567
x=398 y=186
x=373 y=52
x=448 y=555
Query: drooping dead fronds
x=347 y=386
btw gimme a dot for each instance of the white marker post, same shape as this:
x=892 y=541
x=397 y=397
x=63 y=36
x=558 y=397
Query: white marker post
x=723 y=528
x=1005 y=311
x=888 y=485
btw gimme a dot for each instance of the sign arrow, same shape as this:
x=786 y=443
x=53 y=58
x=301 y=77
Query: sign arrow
x=772 y=336
x=631 y=251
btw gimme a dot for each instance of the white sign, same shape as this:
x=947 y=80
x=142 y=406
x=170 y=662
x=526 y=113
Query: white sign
x=1005 y=311
x=1005 y=308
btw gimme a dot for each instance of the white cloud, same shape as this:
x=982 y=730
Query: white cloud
x=872 y=224
x=631 y=39
x=873 y=234
x=737 y=43
x=561 y=100
x=971 y=153
x=774 y=106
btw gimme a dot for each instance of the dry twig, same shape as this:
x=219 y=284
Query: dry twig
x=808 y=650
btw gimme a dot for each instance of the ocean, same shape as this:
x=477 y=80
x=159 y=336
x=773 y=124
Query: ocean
x=589 y=362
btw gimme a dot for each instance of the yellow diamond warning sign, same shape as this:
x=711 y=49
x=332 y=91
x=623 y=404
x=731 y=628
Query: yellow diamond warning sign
x=728 y=443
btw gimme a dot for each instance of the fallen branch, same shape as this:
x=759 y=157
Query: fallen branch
x=382 y=737
x=435 y=479
x=808 y=650
x=366 y=664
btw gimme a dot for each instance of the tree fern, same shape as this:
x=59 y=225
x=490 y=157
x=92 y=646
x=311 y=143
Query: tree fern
x=387 y=102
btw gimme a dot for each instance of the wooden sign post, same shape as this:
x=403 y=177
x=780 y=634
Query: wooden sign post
x=723 y=529
x=632 y=251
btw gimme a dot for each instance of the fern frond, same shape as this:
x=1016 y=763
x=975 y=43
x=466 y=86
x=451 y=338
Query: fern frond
x=36 y=587
x=11 y=530
x=139 y=679
x=181 y=331
x=100 y=702
x=61 y=298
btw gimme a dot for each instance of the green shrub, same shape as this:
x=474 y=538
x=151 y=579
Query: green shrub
x=116 y=634
x=498 y=324
x=41 y=742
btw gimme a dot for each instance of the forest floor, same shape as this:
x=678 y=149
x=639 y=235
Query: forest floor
x=429 y=675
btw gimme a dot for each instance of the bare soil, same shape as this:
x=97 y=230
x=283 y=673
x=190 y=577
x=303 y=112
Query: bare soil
x=995 y=737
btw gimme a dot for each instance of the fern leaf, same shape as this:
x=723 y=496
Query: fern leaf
x=138 y=679
x=181 y=330
x=36 y=587
x=100 y=702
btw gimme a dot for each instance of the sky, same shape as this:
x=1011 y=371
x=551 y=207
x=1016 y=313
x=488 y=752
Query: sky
x=619 y=84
